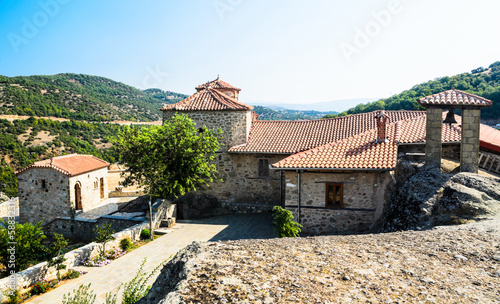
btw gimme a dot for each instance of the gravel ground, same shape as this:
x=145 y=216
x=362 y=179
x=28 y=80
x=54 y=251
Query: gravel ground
x=454 y=264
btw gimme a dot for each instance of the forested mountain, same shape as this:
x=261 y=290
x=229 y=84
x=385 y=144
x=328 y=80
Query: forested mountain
x=481 y=81
x=80 y=97
x=286 y=114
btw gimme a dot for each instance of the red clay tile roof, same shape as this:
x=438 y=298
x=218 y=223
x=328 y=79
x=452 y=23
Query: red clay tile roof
x=454 y=98
x=362 y=151
x=357 y=152
x=489 y=138
x=208 y=100
x=288 y=137
x=71 y=165
x=414 y=130
x=217 y=84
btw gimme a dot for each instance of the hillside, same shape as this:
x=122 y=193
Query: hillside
x=23 y=142
x=81 y=97
x=286 y=114
x=481 y=81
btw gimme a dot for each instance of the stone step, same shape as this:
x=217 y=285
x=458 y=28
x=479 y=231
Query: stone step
x=161 y=231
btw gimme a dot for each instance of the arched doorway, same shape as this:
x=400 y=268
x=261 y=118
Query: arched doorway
x=78 y=197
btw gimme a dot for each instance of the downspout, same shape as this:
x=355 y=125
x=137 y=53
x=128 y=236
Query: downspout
x=298 y=200
x=281 y=189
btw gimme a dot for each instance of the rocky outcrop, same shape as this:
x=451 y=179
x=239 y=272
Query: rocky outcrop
x=431 y=198
x=434 y=266
x=165 y=289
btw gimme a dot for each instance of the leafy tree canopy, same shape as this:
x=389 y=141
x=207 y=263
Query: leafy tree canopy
x=169 y=160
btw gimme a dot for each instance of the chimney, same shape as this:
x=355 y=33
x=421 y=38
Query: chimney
x=382 y=119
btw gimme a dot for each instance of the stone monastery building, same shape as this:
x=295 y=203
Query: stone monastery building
x=48 y=189
x=333 y=174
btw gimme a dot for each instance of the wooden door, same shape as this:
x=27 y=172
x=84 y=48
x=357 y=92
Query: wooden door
x=78 y=197
x=102 y=187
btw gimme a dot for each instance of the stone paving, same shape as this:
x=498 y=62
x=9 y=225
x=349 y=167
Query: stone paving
x=109 y=277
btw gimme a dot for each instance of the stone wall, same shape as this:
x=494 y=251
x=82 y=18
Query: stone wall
x=114 y=178
x=235 y=125
x=43 y=204
x=241 y=181
x=239 y=172
x=90 y=188
x=364 y=196
x=84 y=228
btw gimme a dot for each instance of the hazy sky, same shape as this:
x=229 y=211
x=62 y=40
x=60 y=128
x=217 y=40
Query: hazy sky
x=276 y=51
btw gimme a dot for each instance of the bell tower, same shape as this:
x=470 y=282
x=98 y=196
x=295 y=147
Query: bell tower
x=471 y=106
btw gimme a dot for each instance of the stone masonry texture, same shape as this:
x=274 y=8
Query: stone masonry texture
x=470 y=140
x=241 y=183
x=363 y=200
x=433 y=146
x=38 y=203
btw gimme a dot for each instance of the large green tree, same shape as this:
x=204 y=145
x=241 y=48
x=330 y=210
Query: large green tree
x=168 y=160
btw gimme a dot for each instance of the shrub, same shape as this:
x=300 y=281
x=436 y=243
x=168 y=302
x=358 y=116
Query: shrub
x=103 y=234
x=42 y=287
x=114 y=254
x=283 y=224
x=125 y=244
x=72 y=274
x=13 y=296
x=28 y=239
x=82 y=295
x=137 y=288
x=145 y=234
x=56 y=252
x=98 y=261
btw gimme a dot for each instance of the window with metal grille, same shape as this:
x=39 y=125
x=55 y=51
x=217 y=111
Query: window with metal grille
x=263 y=167
x=334 y=194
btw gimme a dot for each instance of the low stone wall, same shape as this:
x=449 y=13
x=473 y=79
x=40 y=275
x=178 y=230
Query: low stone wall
x=83 y=229
x=9 y=208
x=118 y=192
x=26 y=278
x=247 y=207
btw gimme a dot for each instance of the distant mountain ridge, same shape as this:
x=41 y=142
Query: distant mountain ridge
x=327 y=107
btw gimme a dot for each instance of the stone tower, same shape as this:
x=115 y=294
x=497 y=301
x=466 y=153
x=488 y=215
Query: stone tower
x=215 y=105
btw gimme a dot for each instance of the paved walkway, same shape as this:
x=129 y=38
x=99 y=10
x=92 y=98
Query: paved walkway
x=107 y=278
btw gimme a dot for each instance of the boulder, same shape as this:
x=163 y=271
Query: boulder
x=432 y=198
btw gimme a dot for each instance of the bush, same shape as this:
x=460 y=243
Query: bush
x=125 y=244
x=137 y=288
x=42 y=287
x=13 y=296
x=82 y=295
x=145 y=234
x=72 y=274
x=103 y=234
x=283 y=224
x=28 y=239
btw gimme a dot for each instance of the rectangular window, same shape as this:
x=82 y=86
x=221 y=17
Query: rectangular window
x=334 y=195
x=44 y=184
x=263 y=167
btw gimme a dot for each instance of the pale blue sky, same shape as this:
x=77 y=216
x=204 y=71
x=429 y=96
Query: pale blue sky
x=276 y=51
